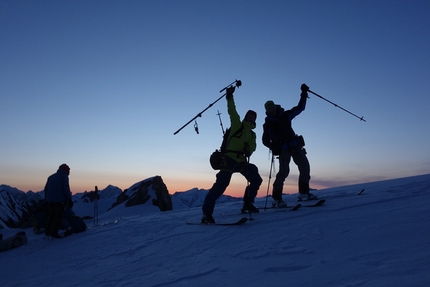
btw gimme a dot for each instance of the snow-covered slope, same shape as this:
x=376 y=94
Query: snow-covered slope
x=379 y=238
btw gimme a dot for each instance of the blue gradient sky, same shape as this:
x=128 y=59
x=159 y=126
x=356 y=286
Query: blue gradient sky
x=103 y=85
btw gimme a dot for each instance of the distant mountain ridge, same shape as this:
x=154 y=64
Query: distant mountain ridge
x=17 y=207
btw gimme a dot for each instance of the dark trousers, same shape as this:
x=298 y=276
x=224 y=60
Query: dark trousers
x=300 y=159
x=223 y=177
x=54 y=217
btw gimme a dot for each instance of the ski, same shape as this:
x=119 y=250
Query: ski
x=360 y=192
x=239 y=222
x=287 y=208
x=262 y=210
x=301 y=199
x=278 y=209
x=294 y=208
x=319 y=203
x=110 y=222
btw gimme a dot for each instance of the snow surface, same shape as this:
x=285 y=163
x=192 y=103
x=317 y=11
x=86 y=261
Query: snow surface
x=379 y=238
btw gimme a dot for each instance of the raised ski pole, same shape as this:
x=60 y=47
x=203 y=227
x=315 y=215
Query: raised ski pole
x=361 y=119
x=238 y=83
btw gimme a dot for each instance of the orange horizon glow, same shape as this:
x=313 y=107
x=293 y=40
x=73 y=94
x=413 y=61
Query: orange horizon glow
x=234 y=189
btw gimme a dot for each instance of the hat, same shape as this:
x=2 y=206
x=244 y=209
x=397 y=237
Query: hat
x=251 y=112
x=64 y=167
x=268 y=105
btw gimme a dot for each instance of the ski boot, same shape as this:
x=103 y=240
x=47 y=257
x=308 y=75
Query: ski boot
x=249 y=208
x=278 y=203
x=307 y=196
x=207 y=218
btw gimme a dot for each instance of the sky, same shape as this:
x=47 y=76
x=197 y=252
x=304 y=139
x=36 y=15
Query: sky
x=102 y=86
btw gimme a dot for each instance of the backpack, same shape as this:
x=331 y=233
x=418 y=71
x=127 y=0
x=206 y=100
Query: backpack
x=216 y=157
x=75 y=223
x=14 y=241
x=271 y=131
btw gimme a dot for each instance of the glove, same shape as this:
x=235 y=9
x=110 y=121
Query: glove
x=304 y=88
x=230 y=91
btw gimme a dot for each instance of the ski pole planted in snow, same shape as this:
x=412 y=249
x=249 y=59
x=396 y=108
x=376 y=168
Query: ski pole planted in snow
x=96 y=207
x=270 y=177
x=237 y=83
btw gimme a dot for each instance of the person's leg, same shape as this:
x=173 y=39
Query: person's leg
x=50 y=214
x=250 y=172
x=303 y=165
x=284 y=171
x=222 y=181
x=58 y=217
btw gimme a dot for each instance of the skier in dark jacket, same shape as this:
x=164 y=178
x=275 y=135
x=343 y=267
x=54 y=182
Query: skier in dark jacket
x=280 y=138
x=241 y=144
x=57 y=196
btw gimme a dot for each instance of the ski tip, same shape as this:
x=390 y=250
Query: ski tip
x=296 y=207
x=360 y=192
x=320 y=202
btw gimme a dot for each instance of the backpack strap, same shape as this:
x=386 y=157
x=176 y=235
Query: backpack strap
x=239 y=130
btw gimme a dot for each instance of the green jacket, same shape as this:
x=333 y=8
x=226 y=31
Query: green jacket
x=243 y=143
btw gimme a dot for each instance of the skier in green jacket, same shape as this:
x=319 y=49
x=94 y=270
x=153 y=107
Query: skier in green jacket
x=240 y=146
